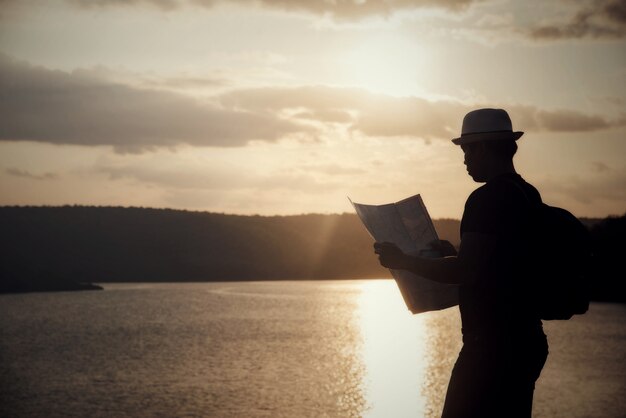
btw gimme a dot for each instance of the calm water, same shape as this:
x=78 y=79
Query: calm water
x=271 y=349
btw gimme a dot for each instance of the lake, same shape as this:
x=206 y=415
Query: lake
x=271 y=349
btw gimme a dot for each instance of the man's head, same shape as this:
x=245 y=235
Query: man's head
x=488 y=143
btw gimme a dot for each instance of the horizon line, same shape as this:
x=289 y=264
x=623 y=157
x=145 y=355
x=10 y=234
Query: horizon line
x=70 y=205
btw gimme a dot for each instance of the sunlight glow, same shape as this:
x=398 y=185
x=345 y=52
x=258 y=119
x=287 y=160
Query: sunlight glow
x=387 y=64
x=394 y=347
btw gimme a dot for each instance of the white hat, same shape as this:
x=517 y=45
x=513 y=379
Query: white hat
x=485 y=125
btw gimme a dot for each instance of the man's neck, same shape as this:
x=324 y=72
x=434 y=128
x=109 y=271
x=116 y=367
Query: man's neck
x=500 y=169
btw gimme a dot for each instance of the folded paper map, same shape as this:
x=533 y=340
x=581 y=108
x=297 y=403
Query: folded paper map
x=407 y=224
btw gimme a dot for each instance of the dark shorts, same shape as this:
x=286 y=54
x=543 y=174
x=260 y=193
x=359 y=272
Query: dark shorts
x=495 y=379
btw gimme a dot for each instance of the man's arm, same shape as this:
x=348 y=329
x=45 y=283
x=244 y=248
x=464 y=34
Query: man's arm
x=475 y=252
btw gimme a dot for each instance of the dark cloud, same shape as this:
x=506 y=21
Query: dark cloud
x=571 y=121
x=600 y=19
x=345 y=10
x=39 y=104
x=534 y=119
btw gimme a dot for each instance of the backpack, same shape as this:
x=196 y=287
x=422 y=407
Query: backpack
x=560 y=272
x=562 y=281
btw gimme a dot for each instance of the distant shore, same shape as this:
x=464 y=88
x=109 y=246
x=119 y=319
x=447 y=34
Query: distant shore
x=26 y=286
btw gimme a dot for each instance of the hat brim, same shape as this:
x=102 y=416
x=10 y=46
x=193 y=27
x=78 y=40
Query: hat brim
x=486 y=136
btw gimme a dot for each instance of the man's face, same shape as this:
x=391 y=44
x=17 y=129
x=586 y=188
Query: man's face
x=474 y=160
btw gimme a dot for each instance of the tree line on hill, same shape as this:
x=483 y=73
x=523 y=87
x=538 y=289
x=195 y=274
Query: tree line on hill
x=55 y=248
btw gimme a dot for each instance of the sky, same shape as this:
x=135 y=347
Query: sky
x=277 y=107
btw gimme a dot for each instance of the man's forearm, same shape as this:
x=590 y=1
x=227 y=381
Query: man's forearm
x=449 y=270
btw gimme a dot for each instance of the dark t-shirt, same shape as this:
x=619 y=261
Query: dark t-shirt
x=496 y=305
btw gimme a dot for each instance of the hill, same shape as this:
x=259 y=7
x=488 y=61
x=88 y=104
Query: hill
x=47 y=247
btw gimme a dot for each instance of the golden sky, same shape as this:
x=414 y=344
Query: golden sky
x=284 y=107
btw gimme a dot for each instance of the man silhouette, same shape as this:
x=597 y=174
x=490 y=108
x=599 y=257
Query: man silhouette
x=504 y=347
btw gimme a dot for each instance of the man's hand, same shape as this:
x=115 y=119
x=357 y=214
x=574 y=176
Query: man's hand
x=392 y=257
x=443 y=248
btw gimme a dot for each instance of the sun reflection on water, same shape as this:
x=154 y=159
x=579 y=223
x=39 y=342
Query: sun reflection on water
x=394 y=352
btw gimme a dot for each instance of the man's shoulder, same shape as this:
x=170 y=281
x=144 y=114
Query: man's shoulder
x=495 y=187
x=509 y=183
x=514 y=187
x=504 y=191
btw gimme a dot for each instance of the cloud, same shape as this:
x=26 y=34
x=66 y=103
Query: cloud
x=380 y=115
x=605 y=184
x=161 y=4
x=326 y=115
x=540 y=21
x=368 y=113
x=333 y=169
x=563 y=120
x=343 y=10
x=38 y=104
x=178 y=83
x=16 y=172
x=410 y=116
x=194 y=178
x=217 y=177
x=571 y=121
x=600 y=167
x=600 y=19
